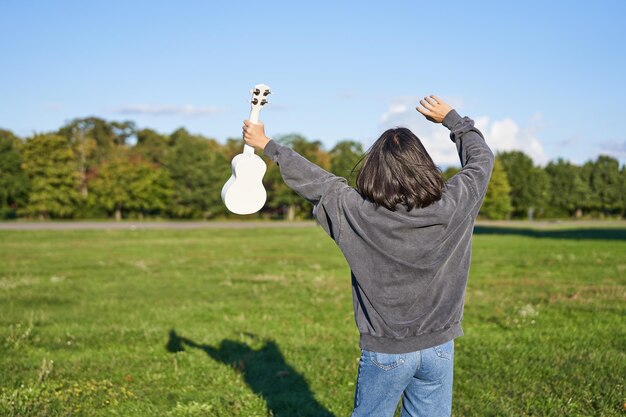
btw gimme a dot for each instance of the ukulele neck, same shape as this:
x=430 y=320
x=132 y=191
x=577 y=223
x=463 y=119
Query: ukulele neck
x=254 y=118
x=248 y=150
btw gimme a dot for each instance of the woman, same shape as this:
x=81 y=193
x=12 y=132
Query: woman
x=406 y=235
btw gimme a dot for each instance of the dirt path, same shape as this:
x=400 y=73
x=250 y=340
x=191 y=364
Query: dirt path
x=100 y=225
x=104 y=225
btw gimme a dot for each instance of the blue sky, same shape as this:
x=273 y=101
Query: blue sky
x=543 y=77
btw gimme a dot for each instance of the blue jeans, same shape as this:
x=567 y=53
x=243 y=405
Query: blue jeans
x=423 y=380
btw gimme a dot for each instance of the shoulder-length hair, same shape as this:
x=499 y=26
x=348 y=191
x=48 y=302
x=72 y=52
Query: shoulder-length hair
x=398 y=170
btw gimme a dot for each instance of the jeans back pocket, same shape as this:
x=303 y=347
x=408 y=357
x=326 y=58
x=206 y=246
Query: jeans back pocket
x=445 y=351
x=387 y=361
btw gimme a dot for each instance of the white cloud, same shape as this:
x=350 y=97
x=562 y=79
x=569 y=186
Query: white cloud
x=501 y=135
x=398 y=108
x=613 y=148
x=507 y=135
x=165 y=110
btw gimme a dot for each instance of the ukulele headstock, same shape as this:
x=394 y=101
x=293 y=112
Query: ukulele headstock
x=259 y=96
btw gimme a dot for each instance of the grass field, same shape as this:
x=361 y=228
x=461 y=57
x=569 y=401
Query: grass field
x=258 y=322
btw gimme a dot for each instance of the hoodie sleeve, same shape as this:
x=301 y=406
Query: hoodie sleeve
x=476 y=157
x=321 y=188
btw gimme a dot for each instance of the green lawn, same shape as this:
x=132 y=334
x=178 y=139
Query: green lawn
x=258 y=322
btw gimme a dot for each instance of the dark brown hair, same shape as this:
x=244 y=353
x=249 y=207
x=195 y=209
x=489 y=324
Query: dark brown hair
x=398 y=170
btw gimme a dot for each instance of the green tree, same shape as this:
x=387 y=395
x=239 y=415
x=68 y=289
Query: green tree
x=94 y=127
x=528 y=184
x=544 y=190
x=198 y=171
x=122 y=131
x=94 y=141
x=622 y=175
x=346 y=160
x=150 y=189
x=151 y=146
x=497 y=203
x=99 y=137
x=605 y=184
x=124 y=186
x=568 y=187
x=48 y=160
x=84 y=148
x=14 y=184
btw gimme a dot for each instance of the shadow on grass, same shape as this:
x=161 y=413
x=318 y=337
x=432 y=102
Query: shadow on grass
x=581 y=234
x=284 y=390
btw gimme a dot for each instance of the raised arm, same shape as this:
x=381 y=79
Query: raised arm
x=476 y=157
x=301 y=175
x=320 y=187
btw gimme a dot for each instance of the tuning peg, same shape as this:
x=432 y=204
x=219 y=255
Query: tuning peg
x=255 y=101
x=263 y=102
x=257 y=91
x=267 y=93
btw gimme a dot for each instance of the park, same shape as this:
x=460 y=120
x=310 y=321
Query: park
x=426 y=219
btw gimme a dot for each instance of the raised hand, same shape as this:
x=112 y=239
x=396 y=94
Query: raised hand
x=434 y=108
x=254 y=134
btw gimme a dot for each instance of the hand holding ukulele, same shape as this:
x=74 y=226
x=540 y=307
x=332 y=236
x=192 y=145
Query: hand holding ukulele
x=434 y=108
x=254 y=134
x=244 y=193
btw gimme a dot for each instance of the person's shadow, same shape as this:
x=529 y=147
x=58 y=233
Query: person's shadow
x=284 y=390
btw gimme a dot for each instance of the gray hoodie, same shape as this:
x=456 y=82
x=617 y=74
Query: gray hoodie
x=409 y=269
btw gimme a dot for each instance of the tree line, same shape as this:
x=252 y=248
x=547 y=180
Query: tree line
x=93 y=168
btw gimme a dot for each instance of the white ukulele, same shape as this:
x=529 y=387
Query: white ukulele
x=244 y=193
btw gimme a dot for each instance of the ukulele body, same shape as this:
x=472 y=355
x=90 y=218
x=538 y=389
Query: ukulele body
x=244 y=193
